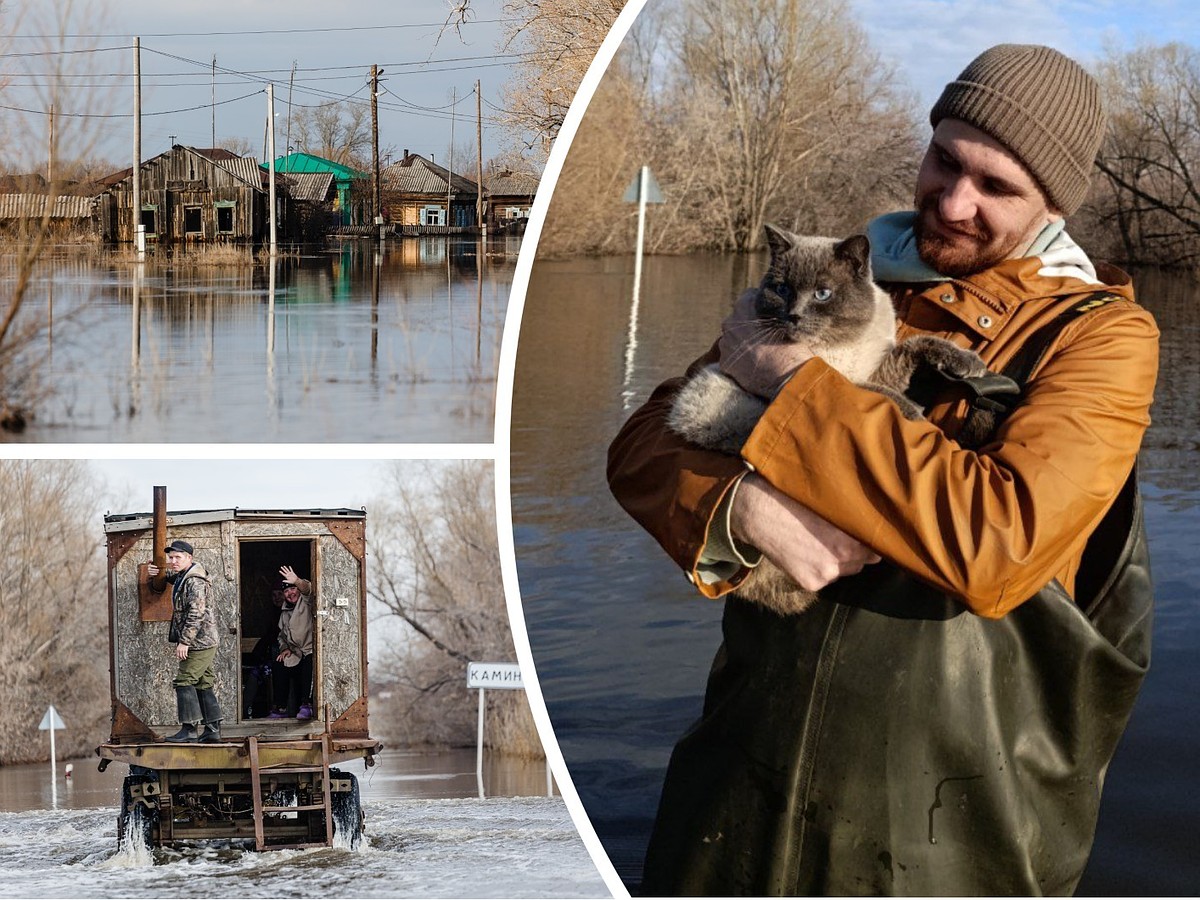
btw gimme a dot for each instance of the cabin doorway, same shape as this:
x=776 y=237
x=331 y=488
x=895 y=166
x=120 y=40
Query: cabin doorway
x=265 y=689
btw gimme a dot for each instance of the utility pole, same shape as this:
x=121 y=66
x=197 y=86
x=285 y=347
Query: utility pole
x=450 y=157
x=214 y=102
x=271 y=157
x=291 y=82
x=479 y=151
x=139 y=232
x=375 y=73
x=50 y=152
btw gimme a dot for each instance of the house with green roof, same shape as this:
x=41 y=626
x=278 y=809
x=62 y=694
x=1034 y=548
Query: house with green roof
x=346 y=193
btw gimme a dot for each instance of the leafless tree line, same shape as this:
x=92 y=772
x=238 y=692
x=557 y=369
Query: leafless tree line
x=53 y=609
x=436 y=572
x=747 y=112
x=1145 y=207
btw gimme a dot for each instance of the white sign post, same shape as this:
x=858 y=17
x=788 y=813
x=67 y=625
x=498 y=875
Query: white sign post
x=497 y=676
x=51 y=722
x=642 y=190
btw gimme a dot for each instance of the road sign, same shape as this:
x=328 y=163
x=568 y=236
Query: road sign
x=494 y=676
x=654 y=194
x=51 y=720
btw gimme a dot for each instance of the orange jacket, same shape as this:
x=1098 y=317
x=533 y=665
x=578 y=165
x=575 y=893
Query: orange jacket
x=990 y=527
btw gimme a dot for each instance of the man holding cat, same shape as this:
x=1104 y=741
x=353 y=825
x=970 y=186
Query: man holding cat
x=889 y=741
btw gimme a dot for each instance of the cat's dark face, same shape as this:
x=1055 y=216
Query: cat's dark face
x=816 y=289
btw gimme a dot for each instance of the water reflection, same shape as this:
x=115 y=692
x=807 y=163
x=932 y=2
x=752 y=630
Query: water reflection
x=623 y=644
x=361 y=342
x=397 y=775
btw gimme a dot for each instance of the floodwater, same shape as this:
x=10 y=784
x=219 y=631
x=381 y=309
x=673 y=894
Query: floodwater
x=623 y=644
x=427 y=835
x=355 y=342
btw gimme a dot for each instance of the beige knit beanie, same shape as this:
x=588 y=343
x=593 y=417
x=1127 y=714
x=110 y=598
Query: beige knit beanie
x=1039 y=104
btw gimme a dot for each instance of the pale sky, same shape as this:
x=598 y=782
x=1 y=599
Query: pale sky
x=197 y=483
x=931 y=41
x=333 y=47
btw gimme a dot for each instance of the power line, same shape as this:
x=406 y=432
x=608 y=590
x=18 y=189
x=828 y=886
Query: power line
x=163 y=34
x=164 y=112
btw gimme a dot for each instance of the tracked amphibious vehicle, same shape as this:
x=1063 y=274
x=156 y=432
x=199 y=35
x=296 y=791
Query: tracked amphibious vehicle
x=270 y=780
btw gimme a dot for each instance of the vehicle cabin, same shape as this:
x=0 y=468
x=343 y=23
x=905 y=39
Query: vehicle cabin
x=242 y=551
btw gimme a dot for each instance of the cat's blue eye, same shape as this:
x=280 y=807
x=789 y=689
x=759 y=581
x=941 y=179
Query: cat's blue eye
x=822 y=294
x=782 y=290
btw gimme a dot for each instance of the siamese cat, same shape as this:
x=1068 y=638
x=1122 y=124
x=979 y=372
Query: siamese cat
x=817 y=292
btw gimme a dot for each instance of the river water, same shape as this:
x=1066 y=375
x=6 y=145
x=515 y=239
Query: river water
x=351 y=343
x=621 y=642
x=427 y=835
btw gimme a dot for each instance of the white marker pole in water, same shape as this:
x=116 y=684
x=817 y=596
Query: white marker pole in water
x=644 y=189
x=51 y=722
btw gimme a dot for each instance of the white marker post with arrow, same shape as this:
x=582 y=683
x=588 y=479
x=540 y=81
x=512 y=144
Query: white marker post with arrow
x=642 y=190
x=51 y=722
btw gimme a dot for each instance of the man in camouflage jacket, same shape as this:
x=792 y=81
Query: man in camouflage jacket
x=194 y=634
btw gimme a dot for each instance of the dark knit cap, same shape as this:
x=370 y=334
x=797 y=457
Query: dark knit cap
x=1039 y=104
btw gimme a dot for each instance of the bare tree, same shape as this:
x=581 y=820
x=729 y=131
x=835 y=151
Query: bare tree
x=747 y=111
x=242 y=146
x=47 y=118
x=559 y=39
x=1150 y=192
x=436 y=572
x=338 y=131
x=770 y=98
x=52 y=608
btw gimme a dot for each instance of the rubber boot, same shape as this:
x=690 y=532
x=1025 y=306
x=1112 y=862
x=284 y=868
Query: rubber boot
x=211 y=710
x=188 y=705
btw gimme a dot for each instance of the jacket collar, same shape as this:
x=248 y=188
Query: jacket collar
x=986 y=300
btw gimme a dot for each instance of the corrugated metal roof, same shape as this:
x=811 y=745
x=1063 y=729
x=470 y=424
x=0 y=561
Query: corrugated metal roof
x=511 y=184
x=307 y=163
x=417 y=175
x=244 y=167
x=26 y=206
x=312 y=187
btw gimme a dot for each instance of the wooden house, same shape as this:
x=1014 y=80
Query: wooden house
x=418 y=194
x=195 y=196
x=68 y=214
x=508 y=196
x=329 y=190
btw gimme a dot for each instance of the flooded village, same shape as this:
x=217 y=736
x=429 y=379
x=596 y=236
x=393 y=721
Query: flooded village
x=330 y=284
x=384 y=327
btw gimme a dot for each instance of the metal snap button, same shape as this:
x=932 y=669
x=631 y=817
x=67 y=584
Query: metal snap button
x=985 y=321
x=947 y=298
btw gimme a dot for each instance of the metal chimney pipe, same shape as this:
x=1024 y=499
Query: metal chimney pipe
x=158 y=583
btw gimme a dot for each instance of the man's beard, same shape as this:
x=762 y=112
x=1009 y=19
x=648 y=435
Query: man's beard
x=973 y=251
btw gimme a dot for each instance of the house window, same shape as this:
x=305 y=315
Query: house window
x=433 y=215
x=193 y=222
x=224 y=217
x=150 y=220
x=514 y=212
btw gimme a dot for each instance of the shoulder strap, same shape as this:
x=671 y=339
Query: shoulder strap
x=999 y=393
x=1027 y=359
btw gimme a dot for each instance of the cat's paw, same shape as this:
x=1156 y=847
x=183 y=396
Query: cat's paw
x=946 y=357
